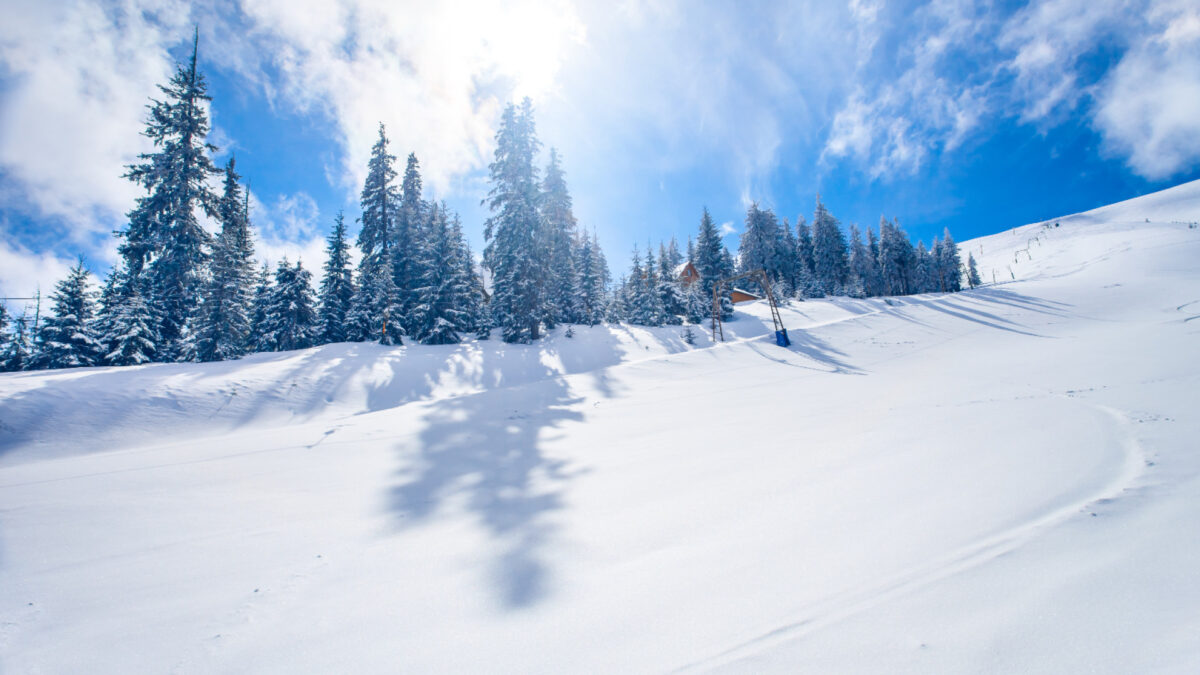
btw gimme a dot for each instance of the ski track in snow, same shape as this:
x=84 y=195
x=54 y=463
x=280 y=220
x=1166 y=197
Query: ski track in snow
x=1077 y=287
x=838 y=607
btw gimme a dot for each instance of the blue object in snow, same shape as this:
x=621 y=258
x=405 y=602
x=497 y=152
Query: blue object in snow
x=781 y=338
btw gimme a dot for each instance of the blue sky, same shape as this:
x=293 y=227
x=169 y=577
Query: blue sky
x=972 y=116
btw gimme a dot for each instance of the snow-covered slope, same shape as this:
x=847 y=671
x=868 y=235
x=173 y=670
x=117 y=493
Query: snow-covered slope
x=1004 y=479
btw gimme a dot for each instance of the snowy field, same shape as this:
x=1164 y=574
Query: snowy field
x=1001 y=480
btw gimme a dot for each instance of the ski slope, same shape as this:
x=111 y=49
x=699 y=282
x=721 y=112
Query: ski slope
x=1005 y=479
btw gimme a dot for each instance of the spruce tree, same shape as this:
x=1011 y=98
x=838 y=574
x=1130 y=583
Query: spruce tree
x=593 y=282
x=896 y=259
x=221 y=328
x=972 y=271
x=129 y=337
x=924 y=273
x=861 y=266
x=562 y=277
x=164 y=239
x=713 y=263
x=291 y=319
x=337 y=286
x=408 y=241
x=949 y=263
x=5 y=336
x=468 y=285
x=514 y=252
x=761 y=246
x=257 y=340
x=375 y=313
x=65 y=339
x=17 y=352
x=806 y=280
x=441 y=289
x=830 y=264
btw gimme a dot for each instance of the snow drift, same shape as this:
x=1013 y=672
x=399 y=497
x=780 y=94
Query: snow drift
x=1001 y=479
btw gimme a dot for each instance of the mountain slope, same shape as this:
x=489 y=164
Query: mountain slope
x=1001 y=479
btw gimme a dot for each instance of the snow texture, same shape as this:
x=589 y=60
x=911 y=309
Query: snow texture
x=998 y=480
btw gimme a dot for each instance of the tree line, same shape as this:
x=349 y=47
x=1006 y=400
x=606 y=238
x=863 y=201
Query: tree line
x=179 y=293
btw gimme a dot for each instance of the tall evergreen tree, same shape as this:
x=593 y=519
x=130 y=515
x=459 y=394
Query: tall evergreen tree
x=337 y=286
x=164 y=239
x=129 y=337
x=257 y=339
x=761 y=244
x=862 y=266
x=713 y=263
x=375 y=313
x=562 y=280
x=291 y=319
x=408 y=244
x=830 y=264
x=924 y=274
x=514 y=252
x=593 y=282
x=441 y=289
x=896 y=259
x=65 y=339
x=16 y=352
x=972 y=271
x=221 y=327
x=949 y=263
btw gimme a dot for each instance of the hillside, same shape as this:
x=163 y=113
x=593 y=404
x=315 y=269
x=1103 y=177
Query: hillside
x=1003 y=479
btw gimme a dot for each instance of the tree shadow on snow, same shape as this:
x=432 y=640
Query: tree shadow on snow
x=484 y=452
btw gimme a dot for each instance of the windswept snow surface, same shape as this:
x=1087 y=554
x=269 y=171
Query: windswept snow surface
x=1005 y=479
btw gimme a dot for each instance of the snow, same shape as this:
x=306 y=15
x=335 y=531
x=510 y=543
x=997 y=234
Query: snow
x=1003 y=479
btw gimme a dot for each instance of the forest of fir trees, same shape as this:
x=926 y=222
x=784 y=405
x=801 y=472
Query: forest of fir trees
x=179 y=293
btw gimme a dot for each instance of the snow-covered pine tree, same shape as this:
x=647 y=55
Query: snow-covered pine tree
x=671 y=294
x=713 y=263
x=337 y=286
x=830 y=264
x=617 y=308
x=468 y=287
x=408 y=244
x=291 y=319
x=439 y=292
x=923 y=271
x=691 y=250
x=129 y=337
x=972 y=271
x=514 y=253
x=760 y=246
x=874 y=283
x=4 y=334
x=17 y=352
x=896 y=259
x=258 y=339
x=789 y=262
x=221 y=325
x=593 y=282
x=949 y=263
x=375 y=314
x=65 y=339
x=164 y=239
x=562 y=277
x=861 y=265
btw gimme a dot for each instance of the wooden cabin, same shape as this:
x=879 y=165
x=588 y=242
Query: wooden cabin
x=738 y=295
x=686 y=273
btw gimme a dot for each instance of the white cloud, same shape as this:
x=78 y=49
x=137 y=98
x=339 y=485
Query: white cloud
x=1146 y=109
x=79 y=76
x=23 y=273
x=727 y=228
x=288 y=228
x=436 y=74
